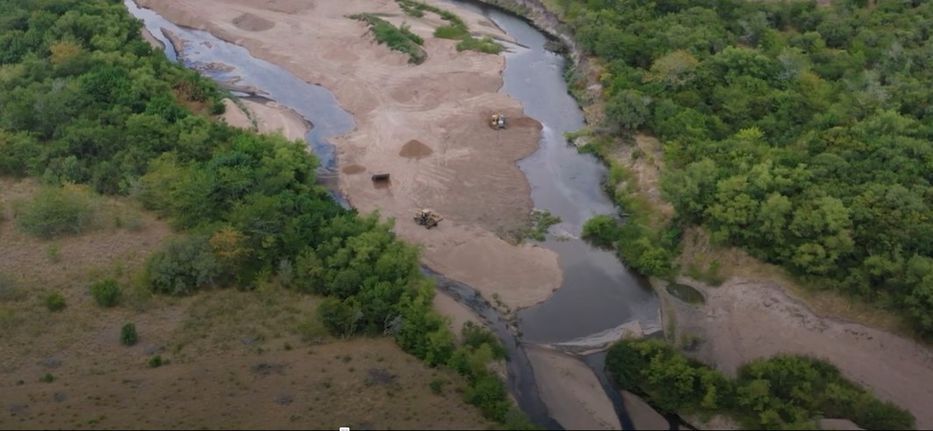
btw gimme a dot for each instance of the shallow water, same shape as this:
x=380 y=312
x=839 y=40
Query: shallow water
x=598 y=293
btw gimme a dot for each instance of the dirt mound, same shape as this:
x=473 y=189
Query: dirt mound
x=415 y=150
x=353 y=169
x=250 y=22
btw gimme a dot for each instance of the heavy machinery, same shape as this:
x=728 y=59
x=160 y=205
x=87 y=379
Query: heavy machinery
x=427 y=218
x=497 y=121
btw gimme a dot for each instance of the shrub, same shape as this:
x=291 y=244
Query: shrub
x=56 y=211
x=339 y=317
x=437 y=386
x=128 y=335
x=47 y=378
x=55 y=302
x=182 y=267
x=155 y=362
x=475 y=336
x=602 y=230
x=484 y=45
x=54 y=253
x=106 y=292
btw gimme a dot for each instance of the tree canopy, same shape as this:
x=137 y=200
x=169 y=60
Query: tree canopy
x=800 y=132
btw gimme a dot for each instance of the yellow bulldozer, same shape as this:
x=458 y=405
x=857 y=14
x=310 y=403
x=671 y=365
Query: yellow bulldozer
x=428 y=218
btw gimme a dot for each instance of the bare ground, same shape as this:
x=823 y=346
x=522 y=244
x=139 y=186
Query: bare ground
x=746 y=319
x=470 y=175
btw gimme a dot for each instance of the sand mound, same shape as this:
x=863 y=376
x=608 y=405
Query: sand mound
x=250 y=22
x=415 y=150
x=353 y=169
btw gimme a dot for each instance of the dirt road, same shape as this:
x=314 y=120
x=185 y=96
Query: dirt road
x=467 y=171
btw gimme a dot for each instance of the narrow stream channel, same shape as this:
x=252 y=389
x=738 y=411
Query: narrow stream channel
x=599 y=294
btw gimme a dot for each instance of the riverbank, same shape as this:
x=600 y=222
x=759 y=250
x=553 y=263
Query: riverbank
x=756 y=312
x=265 y=117
x=463 y=169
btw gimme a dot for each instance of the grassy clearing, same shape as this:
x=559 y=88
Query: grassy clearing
x=397 y=38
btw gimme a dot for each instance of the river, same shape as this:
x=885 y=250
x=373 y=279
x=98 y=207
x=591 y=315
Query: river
x=599 y=295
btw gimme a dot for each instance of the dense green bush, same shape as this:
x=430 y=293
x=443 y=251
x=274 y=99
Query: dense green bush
x=788 y=391
x=798 y=132
x=183 y=266
x=783 y=392
x=55 y=302
x=106 y=292
x=56 y=211
x=671 y=381
x=128 y=335
x=602 y=230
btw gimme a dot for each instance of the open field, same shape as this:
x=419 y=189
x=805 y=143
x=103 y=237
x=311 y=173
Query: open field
x=234 y=359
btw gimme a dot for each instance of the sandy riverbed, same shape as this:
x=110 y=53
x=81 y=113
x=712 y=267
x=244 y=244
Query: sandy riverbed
x=269 y=117
x=569 y=387
x=743 y=320
x=468 y=172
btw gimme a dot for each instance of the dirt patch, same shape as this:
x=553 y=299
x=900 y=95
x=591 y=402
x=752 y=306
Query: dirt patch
x=747 y=319
x=353 y=169
x=415 y=149
x=151 y=40
x=235 y=116
x=250 y=22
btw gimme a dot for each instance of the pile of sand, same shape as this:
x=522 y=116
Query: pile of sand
x=250 y=22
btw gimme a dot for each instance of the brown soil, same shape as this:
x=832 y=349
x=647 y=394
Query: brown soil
x=748 y=319
x=353 y=169
x=470 y=177
x=250 y=22
x=414 y=149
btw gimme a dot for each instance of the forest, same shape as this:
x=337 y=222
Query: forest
x=84 y=100
x=799 y=132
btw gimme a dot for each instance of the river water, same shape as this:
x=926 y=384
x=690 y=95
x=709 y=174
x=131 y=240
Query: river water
x=599 y=295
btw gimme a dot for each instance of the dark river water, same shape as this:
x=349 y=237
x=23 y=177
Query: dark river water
x=598 y=295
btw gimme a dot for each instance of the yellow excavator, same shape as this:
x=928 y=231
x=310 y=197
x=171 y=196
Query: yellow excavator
x=428 y=218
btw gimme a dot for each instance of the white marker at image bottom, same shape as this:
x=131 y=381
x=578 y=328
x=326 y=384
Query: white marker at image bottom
x=344 y=428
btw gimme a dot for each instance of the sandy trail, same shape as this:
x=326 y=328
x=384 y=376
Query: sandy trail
x=744 y=320
x=470 y=175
